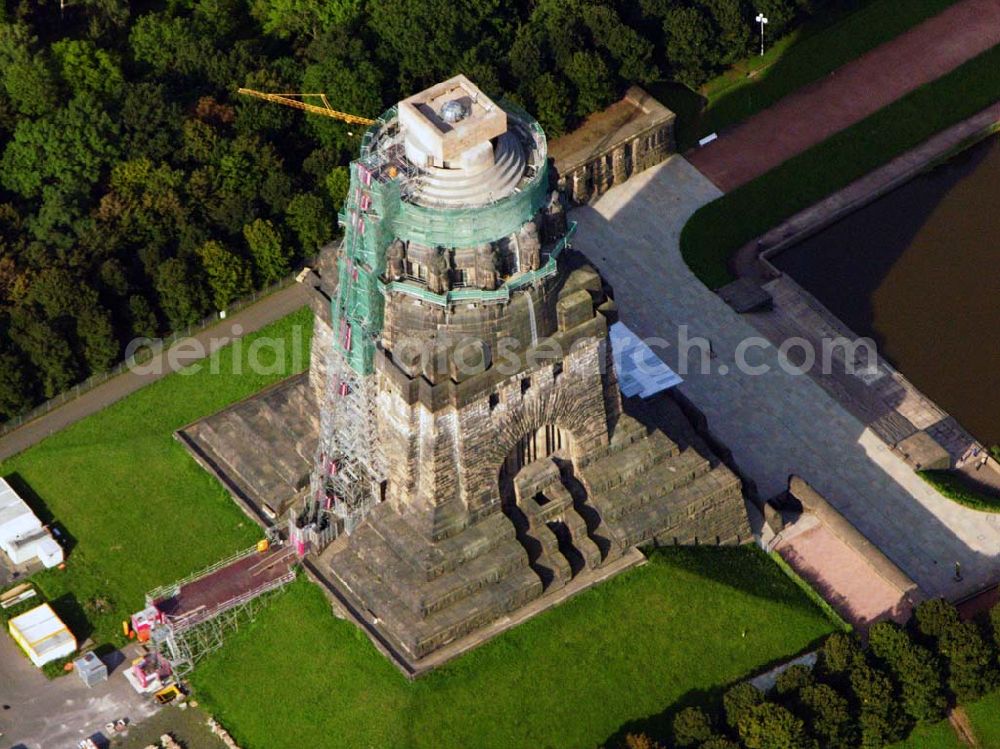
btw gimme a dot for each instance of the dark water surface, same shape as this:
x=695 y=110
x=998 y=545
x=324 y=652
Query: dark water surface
x=919 y=271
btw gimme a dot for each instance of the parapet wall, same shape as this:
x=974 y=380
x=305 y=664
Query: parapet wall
x=631 y=135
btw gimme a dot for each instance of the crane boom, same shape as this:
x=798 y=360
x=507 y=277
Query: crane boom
x=295 y=101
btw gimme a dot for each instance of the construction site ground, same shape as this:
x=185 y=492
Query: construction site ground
x=188 y=727
x=38 y=713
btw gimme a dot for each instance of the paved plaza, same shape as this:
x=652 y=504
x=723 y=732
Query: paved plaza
x=775 y=423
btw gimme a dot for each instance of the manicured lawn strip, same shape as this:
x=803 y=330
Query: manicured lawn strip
x=718 y=229
x=140 y=511
x=806 y=56
x=690 y=621
x=818 y=47
x=955 y=488
x=811 y=593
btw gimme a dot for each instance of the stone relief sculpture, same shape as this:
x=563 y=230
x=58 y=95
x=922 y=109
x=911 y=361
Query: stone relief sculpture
x=439 y=271
x=530 y=246
x=395 y=257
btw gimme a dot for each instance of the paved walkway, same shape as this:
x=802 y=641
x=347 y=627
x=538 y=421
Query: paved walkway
x=850 y=93
x=775 y=423
x=251 y=319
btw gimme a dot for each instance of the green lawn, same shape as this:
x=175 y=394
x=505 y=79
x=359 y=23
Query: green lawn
x=820 y=46
x=959 y=488
x=140 y=512
x=936 y=736
x=690 y=621
x=718 y=229
x=985 y=717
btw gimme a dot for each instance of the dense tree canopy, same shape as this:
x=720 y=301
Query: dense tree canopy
x=138 y=193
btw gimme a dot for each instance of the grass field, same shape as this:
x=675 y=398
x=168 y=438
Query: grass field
x=138 y=510
x=818 y=47
x=985 y=717
x=674 y=630
x=718 y=229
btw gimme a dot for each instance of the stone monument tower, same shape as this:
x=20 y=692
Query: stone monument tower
x=474 y=452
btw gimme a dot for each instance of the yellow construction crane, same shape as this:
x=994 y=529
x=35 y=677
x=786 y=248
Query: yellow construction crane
x=296 y=101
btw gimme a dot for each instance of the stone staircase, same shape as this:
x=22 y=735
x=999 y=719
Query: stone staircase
x=432 y=595
x=646 y=488
x=557 y=538
x=564 y=524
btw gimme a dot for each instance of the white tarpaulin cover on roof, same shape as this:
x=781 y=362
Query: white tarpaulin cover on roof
x=22 y=537
x=42 y=635
x=640 y=371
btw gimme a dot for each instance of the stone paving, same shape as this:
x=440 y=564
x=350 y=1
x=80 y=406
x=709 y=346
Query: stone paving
x=775 y=423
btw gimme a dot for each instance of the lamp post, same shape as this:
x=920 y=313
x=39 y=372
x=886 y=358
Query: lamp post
x=762 y=20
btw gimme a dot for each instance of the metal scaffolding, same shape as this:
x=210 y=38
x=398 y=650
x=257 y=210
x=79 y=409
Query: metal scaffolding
x=229 y=593
x=351 y=467
x=186 y=644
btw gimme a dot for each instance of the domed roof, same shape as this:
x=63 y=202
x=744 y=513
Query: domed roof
x=454 y=110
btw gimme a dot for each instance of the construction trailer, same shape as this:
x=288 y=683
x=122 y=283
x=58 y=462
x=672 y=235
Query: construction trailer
x=23 y=538
x=42 y=635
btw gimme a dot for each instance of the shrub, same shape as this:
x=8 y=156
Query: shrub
x=771 y=726
x=972 y=670
x=691 y=727
x=719 y=742
x=887 y=641
x=917 y=670
x=881 y=719
x=993 y=622
x=792 y=679
x=828 y=715
x=739 y=700
x=840 y=652
x=933 y=617
x=640 y=741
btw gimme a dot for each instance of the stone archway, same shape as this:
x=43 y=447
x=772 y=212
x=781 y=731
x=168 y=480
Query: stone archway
x=547 y=441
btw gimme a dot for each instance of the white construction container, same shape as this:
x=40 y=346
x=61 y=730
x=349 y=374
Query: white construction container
x=22 y=536
x=42 y=635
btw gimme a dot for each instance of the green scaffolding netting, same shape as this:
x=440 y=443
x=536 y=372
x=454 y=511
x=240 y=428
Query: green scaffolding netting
x=375 y=212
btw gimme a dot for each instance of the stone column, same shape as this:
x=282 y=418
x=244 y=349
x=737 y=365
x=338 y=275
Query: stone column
x=579 y=182
x=618 y=171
